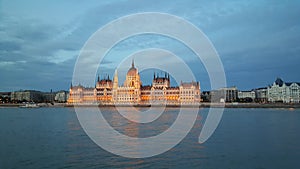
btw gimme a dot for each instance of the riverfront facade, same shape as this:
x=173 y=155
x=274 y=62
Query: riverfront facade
x=286 y=92
x=109 y=91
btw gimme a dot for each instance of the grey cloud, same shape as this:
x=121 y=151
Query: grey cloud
x=247 y=34
x=9 y=46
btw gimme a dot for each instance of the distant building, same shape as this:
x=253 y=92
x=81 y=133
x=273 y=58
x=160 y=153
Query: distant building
x=27 y=96
x=205 y=96
x=5 y=97
x=286 y=92
x=226 y=94
x=61 y=96
x=261 y=95
x=36 y=96
x=246 y=96
x=109 y=91
x=48 y=97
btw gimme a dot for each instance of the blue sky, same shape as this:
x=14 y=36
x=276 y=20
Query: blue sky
x=257 y=40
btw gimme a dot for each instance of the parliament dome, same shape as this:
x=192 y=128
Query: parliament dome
x=132 y=71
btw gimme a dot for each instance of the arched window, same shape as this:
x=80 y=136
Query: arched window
x=132 y=83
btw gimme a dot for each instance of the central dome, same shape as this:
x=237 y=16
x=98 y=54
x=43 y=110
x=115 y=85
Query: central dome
x=132 y=71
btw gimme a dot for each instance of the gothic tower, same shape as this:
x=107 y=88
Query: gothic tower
x=115 y=80
x=115 y=86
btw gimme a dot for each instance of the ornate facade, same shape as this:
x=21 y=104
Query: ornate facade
x=109 y=92
x=284 y=92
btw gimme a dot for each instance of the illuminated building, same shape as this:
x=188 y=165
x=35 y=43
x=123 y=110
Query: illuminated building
x=132 y=92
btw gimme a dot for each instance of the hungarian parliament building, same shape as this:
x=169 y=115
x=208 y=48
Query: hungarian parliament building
x=132 y=92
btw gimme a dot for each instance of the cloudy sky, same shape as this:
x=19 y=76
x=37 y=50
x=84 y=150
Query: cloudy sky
x=40 y=40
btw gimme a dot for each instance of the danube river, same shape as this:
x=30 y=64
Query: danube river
x=245 y=138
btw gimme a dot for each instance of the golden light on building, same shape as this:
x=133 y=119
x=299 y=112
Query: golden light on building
x=108 y=91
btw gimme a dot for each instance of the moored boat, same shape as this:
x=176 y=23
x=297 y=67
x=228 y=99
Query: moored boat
x=30 y=105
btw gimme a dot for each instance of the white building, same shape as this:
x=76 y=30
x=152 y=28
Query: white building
x=61 y=96
x=226 y=94
x=246 y=94
x=261 y=94
x=284 y=92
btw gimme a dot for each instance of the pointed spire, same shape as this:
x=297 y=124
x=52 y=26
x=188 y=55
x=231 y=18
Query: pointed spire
x=132 y=64
x=154 y=75
x=108 y=77
x=165 y=74
x=115 y=83
x=98 y=78
x=168 y=76
x=71 y=85
x=116 y=73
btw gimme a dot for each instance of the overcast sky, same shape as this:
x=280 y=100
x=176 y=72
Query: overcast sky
x=257 y=40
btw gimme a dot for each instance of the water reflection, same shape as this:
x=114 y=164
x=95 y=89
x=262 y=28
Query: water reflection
x=141 y=130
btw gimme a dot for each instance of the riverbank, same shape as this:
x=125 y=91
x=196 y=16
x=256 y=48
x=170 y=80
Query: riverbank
x=16 y=105
x=207 y=105
x=201 y=105
x=254 y=105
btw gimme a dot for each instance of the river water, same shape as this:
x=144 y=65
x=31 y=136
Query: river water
x=245 y=138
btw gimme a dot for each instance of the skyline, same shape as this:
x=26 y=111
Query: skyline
x=256 y=40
